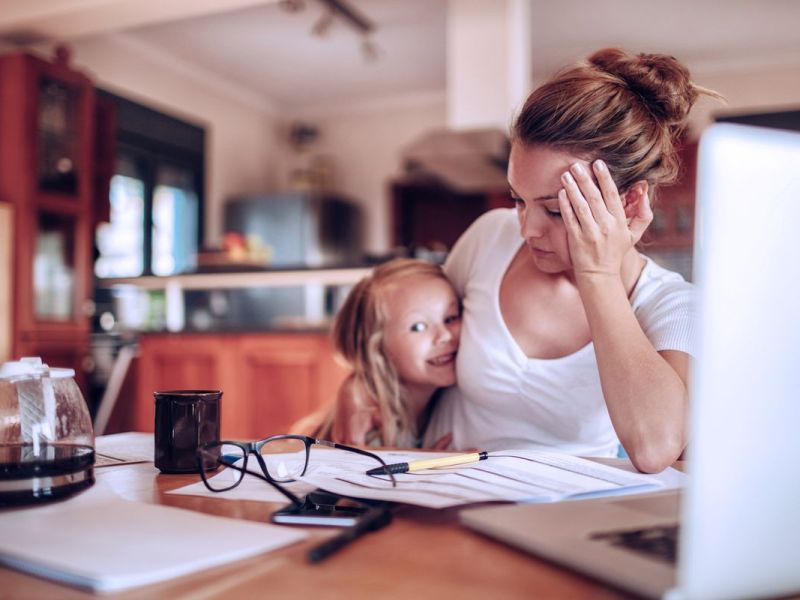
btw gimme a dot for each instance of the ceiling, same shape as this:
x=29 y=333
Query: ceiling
x=272 y=52
x=262 y=47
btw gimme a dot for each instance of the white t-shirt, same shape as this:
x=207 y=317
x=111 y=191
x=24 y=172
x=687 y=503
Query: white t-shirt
x=505 y=399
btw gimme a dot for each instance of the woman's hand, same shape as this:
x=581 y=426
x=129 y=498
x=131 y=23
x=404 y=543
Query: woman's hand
x=600 y=229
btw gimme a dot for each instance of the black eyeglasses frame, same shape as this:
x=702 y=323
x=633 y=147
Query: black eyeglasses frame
x=255 y=448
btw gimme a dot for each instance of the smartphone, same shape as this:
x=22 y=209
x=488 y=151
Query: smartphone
x=321 y=509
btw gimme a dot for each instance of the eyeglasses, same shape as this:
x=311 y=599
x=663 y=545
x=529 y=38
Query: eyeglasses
x=282 y=458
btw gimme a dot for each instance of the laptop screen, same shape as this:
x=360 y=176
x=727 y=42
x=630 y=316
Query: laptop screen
x=741 y=522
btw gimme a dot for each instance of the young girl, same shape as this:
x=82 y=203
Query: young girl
x=398 y=331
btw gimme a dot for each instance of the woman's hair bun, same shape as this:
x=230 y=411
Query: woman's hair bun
x=661 y=82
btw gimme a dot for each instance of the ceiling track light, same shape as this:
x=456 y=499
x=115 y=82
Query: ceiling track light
x=323 y=24
x=292 y=6
x=370 y=50
x=354 y=19
x=350 y=15
x=339 y=9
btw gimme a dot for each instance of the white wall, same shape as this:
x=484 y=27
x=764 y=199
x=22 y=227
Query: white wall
x=764 y=88
x=6 y=278
x=488 y=81
x=242 y=146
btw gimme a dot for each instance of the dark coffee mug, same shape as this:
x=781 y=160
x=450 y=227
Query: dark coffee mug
x=185 y=420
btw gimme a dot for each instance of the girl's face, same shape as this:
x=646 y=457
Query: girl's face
x=423 y=325
x=534 y=175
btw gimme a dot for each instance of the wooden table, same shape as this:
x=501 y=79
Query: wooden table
x=424 y=553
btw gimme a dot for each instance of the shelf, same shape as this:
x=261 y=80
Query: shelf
x=245 y=279
x=65 y=209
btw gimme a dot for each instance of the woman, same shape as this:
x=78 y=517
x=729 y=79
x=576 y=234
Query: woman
x=571 y=339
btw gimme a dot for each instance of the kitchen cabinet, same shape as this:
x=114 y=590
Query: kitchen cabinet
x=430 y=215
x=6 y=266
x=269 y=380
x=47 y=174
x=673 y=209
x=670 y=238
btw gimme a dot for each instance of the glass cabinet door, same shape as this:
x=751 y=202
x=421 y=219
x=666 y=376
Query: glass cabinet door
x=58 y=120
x=54 y=268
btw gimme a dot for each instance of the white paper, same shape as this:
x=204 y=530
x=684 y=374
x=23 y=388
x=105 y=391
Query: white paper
x=251 y=488
x=123 y=448
x=99 y=541
x=669 y=478
x=517 y=475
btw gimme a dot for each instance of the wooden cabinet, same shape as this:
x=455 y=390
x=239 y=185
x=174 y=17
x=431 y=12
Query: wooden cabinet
x=427 y=214
x=670 y=238
x=6 y=278
x=269 y=381
x=673 y=209
x=47 y=174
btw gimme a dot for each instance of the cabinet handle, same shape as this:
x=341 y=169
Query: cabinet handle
x=88 y=363
x=88 y=308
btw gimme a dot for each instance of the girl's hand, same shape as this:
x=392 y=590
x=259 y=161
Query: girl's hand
x=355 y=416
x=598 y=232
x=443 y=443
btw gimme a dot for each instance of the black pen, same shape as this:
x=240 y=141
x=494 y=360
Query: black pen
x=430 y=463
x=371 y=521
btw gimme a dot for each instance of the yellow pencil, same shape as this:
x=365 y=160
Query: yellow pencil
x=431 y=463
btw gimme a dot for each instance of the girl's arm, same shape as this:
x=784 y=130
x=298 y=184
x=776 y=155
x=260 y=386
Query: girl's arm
x=645 y=390
x=356 y=415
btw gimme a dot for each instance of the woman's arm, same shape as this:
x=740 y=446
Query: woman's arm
x=645 y=391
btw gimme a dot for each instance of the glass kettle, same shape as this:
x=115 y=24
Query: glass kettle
x=46 y=437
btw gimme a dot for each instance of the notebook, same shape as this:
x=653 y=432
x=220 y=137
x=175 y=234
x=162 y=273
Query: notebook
x=102 y=542
x=735 y=531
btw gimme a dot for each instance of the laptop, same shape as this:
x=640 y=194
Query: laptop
x=734 y=531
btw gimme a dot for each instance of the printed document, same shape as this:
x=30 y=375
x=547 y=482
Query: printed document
x=513 y=475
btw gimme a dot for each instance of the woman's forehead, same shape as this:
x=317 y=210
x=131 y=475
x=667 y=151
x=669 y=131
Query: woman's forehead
x=539 y=166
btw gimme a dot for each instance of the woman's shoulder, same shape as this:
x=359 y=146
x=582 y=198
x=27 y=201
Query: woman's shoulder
x=657 y=282
x=497 y=220
x=483 y=240
x=664 y=305
x=489 y=228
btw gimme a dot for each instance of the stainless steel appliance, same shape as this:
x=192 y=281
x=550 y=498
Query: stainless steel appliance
x=301 y=230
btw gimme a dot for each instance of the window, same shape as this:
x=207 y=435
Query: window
x=120 y=242
x=175 y=210
x=156 y=195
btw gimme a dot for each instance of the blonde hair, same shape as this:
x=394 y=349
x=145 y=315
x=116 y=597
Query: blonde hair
x=630 y=110
x=358 y=337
